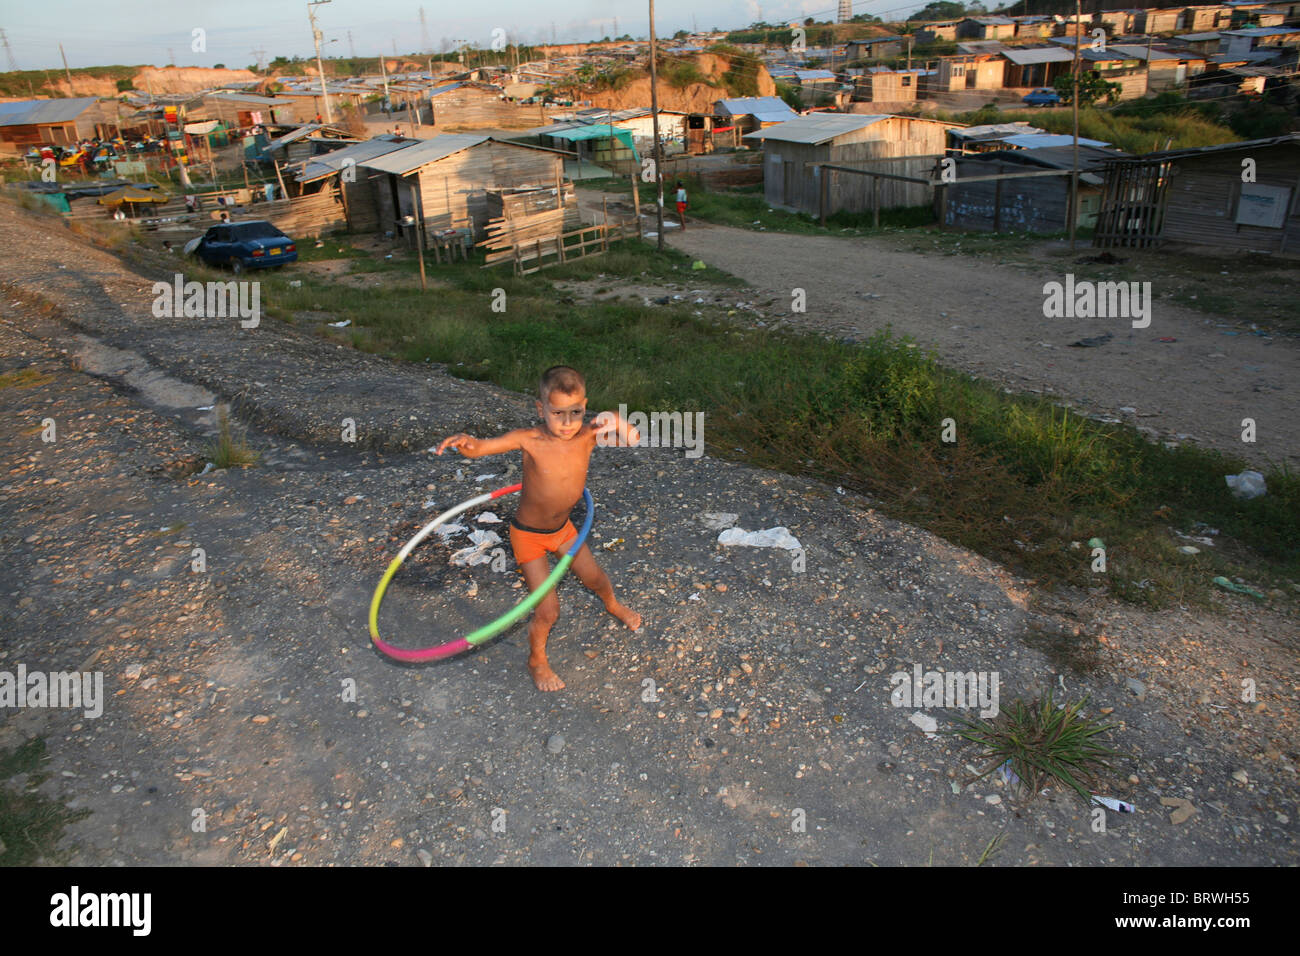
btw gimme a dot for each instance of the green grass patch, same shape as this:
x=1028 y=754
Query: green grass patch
x=1025 y=482
x=31 y=824
x=1044 y=744
x=230 y=448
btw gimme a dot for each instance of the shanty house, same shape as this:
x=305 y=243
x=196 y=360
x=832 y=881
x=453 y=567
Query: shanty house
x=1035 y=66
x=59 y=122
x=1198 y=196
x=874 y=48
x=1159 y=21
x=1166 y=69
x=957 y=73
x=358 y=189
x=753 y=112
x=1029 y=204
x=244 y=110
x=880 y=84
x=986 y=28
x=791 y=151
x=444 y=181
x=937 y=30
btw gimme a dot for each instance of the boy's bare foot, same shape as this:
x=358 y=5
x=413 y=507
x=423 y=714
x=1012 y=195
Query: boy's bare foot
x=545 y=678
x=629 y=617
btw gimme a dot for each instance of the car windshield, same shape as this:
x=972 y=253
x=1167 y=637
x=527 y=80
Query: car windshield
x=257 y=230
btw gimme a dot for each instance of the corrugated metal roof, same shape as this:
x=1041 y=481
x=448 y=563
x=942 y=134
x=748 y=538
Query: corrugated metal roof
x=26 y=112
x=1140 y=53
x=1260 y=32
x=1037 y=54
x=1040 y=140
x=767 y=109
x=817 y=128
x=994 y=130
x=327 y=164
x=1198 y=37
x=426 y=151
x=251 y=98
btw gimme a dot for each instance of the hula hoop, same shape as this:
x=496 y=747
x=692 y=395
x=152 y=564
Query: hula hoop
x=487 y=631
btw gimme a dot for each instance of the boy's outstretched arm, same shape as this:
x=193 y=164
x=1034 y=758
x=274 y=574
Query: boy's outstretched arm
x=472 y=447
x=612 y=429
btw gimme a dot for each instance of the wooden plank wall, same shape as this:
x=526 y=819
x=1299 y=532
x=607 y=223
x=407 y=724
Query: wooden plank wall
x=1201 y=206
x=454 y=189
x=1038 y=204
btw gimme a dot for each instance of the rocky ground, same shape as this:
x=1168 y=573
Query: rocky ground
x=245 y=696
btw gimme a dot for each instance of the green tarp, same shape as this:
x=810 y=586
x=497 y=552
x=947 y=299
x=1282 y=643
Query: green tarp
x=598 y=131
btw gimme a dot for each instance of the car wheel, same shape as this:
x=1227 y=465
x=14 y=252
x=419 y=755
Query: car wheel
x=237 y=266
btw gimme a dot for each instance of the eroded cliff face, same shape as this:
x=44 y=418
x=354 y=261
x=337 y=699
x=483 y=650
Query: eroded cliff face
x=181 y=79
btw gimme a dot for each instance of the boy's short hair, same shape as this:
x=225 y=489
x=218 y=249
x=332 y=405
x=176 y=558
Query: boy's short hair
x=561 y=378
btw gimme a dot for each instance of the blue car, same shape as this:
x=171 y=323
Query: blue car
x=1043 y=96
x=246 y=245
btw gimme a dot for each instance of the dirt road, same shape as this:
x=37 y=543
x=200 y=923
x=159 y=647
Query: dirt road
x=988 y=320
x=750 y=720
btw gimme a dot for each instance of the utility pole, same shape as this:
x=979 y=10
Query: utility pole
x=352 y=51
x=1074 y=173
x=654 y=115
x=65 y=68
x=383 y=70
x=316 y=37
x=13 y=64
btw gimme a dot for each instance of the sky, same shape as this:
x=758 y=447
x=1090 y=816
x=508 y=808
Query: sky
x=99 y=33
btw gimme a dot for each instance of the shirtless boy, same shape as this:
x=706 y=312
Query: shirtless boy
x=556 y=455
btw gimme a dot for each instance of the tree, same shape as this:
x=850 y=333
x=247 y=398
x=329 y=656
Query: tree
x=220 y=66
x=1091 y=88
x=940 y=10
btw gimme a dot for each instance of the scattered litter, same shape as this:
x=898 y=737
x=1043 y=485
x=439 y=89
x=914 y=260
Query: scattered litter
x=295 y=283
x=430 y=504
x=651 y=235
x=1096 y=543
x=210 y=466
x=612 y=543
x=1166 y=338
x=1110 y=803
x=694 y=596
x=1009 y=776
x=205 y=408
x=1092 y=343
x=698 y=264
x=718 y=520
x=1236 y=588
x=556 y=743
x=340 y=325
x=1128 y=410
x=190 y=246
x=1188 y=549
x=1183 y=809
x=1247 y=485
x=484 y=477
x=460 y=474
x=488 y=517
x=925 y=722
x=445 y=531
x=770 y=538
x=839 y=490
x=478 y=552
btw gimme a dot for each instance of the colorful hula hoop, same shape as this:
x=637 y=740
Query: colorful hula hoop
x=487 y=631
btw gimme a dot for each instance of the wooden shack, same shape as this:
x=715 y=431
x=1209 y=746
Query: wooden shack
x=900 y=145
x=444 y=181
x=1199 y=196
x=1031 y=204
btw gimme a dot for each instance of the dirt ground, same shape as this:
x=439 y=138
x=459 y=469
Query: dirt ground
x=988 y=320
x=749 y=721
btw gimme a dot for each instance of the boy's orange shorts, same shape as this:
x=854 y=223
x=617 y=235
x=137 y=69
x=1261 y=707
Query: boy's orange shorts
x=529 y=544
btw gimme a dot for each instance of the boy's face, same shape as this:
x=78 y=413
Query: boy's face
x=562 y=412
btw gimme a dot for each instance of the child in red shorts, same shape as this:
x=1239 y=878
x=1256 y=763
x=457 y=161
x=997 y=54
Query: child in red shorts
x=556 y=455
